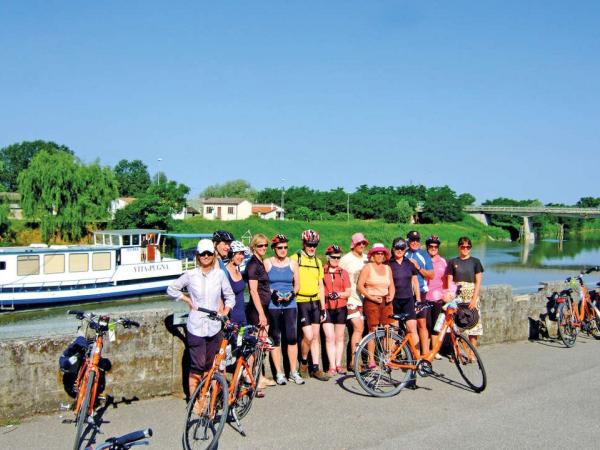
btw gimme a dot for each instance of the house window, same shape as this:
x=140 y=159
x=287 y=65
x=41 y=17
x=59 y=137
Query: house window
x=2 y=265
x=78 y=262
x=101 y=261
x=209 y=209
x=54 y=263
x=230 y=210
x=28 y=265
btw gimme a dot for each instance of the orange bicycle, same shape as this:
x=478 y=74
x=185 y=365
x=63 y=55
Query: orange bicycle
x=574 y=317
x=395 y=361
x=89 y=382
x=215 y=400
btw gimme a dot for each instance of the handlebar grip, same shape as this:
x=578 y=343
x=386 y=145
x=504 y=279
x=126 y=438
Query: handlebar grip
x=133 y=323
x=210 y=312
x=132 y=437
x=593 y=269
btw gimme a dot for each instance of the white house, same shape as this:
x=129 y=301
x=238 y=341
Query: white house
x=226 y=208
x=268 y=211
x=188 y=211
x=119 y=203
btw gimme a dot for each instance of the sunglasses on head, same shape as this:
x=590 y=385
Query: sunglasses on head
x=205 y=254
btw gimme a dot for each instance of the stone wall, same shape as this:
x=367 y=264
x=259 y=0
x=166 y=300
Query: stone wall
x=148 y=362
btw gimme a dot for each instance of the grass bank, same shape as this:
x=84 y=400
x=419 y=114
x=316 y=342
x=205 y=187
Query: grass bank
x=339 y=232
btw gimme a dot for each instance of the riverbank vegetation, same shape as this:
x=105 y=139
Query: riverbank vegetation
x=63 y=199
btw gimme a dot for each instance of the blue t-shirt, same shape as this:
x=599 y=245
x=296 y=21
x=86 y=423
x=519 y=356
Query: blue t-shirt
x=424 y=260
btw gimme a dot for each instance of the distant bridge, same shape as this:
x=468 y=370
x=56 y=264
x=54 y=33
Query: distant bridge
x=481 y=213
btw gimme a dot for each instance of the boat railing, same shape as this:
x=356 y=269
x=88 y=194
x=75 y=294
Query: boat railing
x=64 y=284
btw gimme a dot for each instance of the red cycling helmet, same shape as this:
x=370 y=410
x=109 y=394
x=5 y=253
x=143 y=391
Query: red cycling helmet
x=433 y=239
x=310 y=237
x=332 y=249
x=278 y=239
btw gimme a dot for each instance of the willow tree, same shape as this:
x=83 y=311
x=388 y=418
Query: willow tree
x=64 y=194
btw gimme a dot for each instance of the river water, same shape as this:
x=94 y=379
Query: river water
x=523 y=267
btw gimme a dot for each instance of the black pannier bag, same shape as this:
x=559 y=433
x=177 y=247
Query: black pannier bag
x=70 y=362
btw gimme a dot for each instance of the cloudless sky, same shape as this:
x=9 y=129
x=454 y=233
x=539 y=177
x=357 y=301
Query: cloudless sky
x=495 y=98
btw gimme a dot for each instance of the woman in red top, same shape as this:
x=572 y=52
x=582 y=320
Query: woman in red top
x=337 y=290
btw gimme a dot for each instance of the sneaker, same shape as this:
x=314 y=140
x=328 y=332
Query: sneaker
x=320 y=375
x=296 y=378
x=304 y=371
x=280 y=379
x=438 y=356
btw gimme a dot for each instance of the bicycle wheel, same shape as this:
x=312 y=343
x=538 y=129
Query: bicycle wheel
x=257 y=363
x=244 y=395
x=206 y=416
x=567 y=332
x=83 y=410
x=468 y=362
x=382 y=380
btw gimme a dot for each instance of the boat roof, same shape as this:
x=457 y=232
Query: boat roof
x=129 y=231
x=56 y=249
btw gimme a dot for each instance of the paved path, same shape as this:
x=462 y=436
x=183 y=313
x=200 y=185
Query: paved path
x=539 y=395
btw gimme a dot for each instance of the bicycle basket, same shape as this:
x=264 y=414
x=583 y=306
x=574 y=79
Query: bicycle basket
x=466 y=318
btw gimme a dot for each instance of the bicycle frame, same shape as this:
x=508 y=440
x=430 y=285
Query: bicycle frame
x=585 y=309
x=447 y=326
x=90 y=365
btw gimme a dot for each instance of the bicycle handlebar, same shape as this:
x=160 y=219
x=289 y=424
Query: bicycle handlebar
x=214 y=315
x=132 y=437
x=91 y=317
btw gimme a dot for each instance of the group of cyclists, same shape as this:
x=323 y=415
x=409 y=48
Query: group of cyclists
x=298 y=292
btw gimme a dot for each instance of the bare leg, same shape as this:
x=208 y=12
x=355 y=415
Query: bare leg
x=423 y=334
x=293 y=357
x=276 y=356
x=307 y=338
x=328 y=328
x=411 y=326
x=315 y=345
x=339 y=344
x=358 y=327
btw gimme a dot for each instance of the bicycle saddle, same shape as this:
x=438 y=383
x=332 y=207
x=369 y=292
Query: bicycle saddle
x=400 y=317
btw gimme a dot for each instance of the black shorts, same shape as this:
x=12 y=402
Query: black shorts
x=309 y=313
x=283 y=320
x=405 y=306
x=203 y=350
x=337 y=316
x=252 y=314
x=424 y=313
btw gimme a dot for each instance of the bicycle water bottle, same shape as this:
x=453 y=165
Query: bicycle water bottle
x=229 y=358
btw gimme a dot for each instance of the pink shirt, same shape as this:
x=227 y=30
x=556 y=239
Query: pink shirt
x=436 y=285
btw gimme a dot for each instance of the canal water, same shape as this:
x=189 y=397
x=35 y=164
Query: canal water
x=523 y=267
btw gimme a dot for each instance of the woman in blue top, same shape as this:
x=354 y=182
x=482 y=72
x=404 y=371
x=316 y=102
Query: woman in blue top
x=236 y=255
x=283 y=311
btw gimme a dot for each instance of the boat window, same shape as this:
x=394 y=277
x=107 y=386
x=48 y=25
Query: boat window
x=2 y=265
x=101 y=261
x=54 y=263
x=126 y=239
x=78 y=262
x=115 y=239
x=135 y=239
x=28 y=265
x=107 y=239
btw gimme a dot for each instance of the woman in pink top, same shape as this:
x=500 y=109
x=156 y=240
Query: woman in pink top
x=376 y=285
x=437 y=285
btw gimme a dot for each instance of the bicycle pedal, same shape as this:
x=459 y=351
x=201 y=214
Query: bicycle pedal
x=68 y=421
x=64 y=407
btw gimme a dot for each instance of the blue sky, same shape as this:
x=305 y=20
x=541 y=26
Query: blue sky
x=492 y=98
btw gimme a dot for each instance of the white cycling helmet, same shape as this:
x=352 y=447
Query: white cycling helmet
x=237 y=246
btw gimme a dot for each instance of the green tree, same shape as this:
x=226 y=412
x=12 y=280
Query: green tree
x=588 y=202
x=16 y=158
x=233 y=188
x=64 y=194
x=154 y=208
x=132 y=176
x=466 y=199
x=441 y=205
x=4 y=218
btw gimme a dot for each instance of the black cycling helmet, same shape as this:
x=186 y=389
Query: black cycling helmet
x=333 y=250
x=466 y=318
x=433 y=239
x=222 y=236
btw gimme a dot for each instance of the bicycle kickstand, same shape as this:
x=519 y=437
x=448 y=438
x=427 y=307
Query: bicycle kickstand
x=238 y=423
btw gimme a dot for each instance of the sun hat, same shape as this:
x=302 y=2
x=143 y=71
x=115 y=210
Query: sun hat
x=205 y=245
x=357 y=238
x=378 y=247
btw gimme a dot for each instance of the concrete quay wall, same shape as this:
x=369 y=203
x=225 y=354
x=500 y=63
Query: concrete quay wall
x=148 y=362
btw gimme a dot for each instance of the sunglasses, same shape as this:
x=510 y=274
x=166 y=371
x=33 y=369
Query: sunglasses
x=205 y=254
x=334 y=257
x=400 y=247
x=281 y=247
x=312 y=245
x=464 y=246
x=433 y=246
x=262 y=245
x=378 y=253
x=360 y=243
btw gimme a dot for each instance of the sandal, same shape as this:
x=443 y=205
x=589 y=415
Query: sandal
x=372 y=365
x=340 y=370
x=260 y=393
